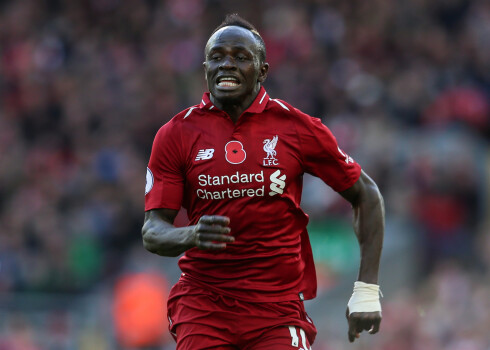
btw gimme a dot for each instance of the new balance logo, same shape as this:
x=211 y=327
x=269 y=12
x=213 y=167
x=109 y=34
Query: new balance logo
x=204 y=154
x=277 y=183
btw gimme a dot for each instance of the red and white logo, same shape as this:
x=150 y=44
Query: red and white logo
x=270 y=149
x=204 y=154
x=235 y=154
x=278 y=182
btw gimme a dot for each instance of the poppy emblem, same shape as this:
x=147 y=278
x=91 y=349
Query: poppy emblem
x=235 y=154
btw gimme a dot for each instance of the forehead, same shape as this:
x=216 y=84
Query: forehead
x=232 y=37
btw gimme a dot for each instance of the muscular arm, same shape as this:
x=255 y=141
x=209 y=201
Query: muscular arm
x=368 y=206
x=161 y=237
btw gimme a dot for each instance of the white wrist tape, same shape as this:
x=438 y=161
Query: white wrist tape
x=365 y=298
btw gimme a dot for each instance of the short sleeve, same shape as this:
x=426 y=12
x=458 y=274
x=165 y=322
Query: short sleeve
x=323 y=157
x=164 y=175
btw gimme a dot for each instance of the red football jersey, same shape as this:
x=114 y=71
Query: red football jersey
x=252 y=172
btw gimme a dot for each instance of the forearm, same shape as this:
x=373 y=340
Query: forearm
x=369 y=227
x=162 y=238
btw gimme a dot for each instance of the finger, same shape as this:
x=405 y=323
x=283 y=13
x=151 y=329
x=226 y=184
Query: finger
x=350 y=334
x=205 y=228
x=367 y=321
x=208 y=245
x=375 y=327
x=212 y=241
x=358 y=322
x=361 y=328
x=215 y=237
x=364 y=325
x=215 y=220
x=353 y=334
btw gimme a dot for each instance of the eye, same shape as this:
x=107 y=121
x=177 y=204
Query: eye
x=241 y=58
x=215 y=57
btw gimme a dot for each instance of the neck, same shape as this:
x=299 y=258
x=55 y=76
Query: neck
x=235 y=108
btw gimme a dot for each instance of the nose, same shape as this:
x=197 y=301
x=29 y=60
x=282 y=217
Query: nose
x=227 y=63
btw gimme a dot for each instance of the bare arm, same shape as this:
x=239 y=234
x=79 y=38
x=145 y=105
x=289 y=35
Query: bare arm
x=368 y=206
x=161 y=237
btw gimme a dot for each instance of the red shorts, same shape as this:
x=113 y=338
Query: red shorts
x=202 y=319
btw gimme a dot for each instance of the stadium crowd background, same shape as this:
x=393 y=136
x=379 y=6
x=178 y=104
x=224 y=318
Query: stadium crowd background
x=84 y=86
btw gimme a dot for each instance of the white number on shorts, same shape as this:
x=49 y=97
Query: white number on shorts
x=295 y=338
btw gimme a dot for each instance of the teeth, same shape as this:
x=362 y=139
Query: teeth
x=227 y=83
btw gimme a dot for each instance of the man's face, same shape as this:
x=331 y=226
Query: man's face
x=232 y=65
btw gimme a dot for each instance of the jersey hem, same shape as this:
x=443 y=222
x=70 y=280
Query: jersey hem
x=256 y=297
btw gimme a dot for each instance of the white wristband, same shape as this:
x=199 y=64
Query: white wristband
x=365 y=298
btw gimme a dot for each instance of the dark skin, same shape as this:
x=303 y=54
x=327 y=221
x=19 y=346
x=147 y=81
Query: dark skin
x=232 y=52
x=368 y=222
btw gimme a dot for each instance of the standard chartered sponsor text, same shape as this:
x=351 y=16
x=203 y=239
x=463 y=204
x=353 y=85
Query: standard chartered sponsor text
x=236 y=178
x=208 y=180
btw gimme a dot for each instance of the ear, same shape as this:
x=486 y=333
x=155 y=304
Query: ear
x=264 y=69
x=205 y=70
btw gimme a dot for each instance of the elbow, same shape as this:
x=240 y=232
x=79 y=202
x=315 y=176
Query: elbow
x=372 y=193
x=378 y=198
x=155 y=245
x=148 y=245
x=161 y=238
x=148 y=240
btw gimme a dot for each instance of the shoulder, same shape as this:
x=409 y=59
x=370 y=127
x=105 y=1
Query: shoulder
x=278 y=106
x=185 y=115
x=180 y=120
x=281 y=106
x=282 y=110
x=172 y=130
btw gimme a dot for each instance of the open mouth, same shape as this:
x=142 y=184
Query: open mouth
x=227 y=81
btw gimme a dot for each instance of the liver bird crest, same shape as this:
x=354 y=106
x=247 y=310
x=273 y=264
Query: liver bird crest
x=269 y=147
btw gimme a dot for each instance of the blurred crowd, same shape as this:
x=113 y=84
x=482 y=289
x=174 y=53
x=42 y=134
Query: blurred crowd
x=404 y=86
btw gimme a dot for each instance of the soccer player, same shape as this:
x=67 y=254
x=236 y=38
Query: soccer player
x=236 y=162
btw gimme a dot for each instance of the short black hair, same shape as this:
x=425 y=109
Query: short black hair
x=233 y=19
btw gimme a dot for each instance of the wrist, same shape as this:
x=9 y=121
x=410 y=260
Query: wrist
x=365 y=298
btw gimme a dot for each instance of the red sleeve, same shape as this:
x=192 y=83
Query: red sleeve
x=323 y=157
x=164 y=177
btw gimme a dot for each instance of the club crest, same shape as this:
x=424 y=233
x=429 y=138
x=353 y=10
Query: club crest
x=270 y=149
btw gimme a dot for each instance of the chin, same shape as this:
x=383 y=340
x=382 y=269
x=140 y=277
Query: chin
x=227 y=97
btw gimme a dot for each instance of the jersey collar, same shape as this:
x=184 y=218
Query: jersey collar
x=257 y=106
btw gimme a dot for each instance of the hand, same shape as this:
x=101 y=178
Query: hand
x=212 y=232
x=362 y=321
